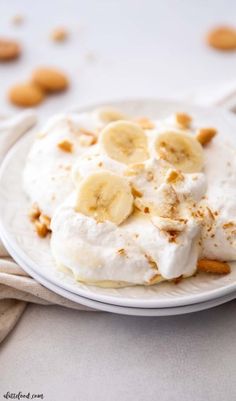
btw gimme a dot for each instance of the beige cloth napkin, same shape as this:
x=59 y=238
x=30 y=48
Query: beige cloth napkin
x=17 y=288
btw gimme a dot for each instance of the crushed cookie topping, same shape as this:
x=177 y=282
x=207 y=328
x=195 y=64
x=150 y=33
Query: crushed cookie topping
x=155 y=279
x=151 y=262
x=87 y=140
x=134 y=169
x=230 y=224
x=172 y=234
x=211 y=214
x=135 y=192
x=213 y=266
x=230 y=231
x=65 y=145
x=137 y=208
x=150 y=176
x=46 y=220
x=121 y=251
x=145 y=123
x=183 y=119
x=41 y=229
x=174 y=176
x=169 y=225
x=169 y=204
x=41 y=221
x=34 y=212
x=207 y=219
x=205 y=135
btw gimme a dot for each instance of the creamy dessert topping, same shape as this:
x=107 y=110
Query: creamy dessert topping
x=143 y=201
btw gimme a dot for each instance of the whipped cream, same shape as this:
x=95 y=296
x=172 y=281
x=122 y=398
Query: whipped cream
x=218 y=238
x=138 y=236
x=175 y=221
x=97 y=251
x=47 y=178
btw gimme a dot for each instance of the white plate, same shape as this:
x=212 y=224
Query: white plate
x=35 y=253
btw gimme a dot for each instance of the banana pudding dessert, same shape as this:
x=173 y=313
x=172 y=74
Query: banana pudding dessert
x=133 y=201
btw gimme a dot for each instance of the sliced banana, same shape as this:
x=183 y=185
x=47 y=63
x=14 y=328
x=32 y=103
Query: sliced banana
x=105 y=196
x=181 y=150
x=109 y=114
x=125 y=142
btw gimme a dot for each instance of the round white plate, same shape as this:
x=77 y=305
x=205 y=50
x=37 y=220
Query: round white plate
x=34 y=252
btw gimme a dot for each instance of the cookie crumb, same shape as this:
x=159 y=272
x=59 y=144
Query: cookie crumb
x=150 y=176
x=87 y=140
x=135 y=192
x=41 y=229
x=151 y=262
x=174 y=176
x=230 y=224
x=145 y=123
x=213 y=266
x=155 y=279
x=121 y=252
x=59 y=34
x=205 y=135
x=183 y=120
x=65 y=145
x=34 y=212
x=44 y=219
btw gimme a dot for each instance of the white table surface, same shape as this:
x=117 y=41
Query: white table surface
x=141 y=48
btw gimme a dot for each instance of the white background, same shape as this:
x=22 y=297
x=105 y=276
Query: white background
x=140 y=48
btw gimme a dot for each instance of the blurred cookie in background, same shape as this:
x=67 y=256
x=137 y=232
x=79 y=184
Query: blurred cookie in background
x=59 y=34
x=9 y=49
x=50 y=79
x=25 y=95
x=222 y=38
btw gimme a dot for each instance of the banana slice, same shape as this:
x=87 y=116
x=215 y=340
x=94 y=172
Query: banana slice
x=125 y=142
x=181 y=150
x=105 y=196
